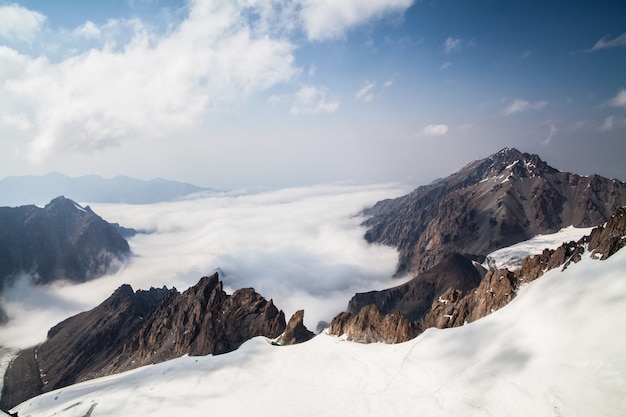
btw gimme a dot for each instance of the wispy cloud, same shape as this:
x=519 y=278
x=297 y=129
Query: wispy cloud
x=518 y=105
x=551 y=133
x=606 y=42
x=311 y=99
x=611 y=123
x=365 y=93
x=445 y=65
x=453 y=44
x=434 y=130
x=619 y=100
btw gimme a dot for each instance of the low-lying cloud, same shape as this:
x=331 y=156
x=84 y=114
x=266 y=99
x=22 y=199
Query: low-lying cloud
x=301 y=247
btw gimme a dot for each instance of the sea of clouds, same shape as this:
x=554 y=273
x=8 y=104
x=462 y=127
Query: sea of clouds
x=301 y=247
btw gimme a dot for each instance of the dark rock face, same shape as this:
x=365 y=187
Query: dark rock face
x=489 y=204
x=454 y=302
x=131 y=329
x=200 y=321
x=415 y=297
x=296 y=331
x=79 y=347
x=60 y=241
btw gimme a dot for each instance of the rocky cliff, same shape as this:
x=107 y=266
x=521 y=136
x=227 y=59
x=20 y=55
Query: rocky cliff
x=131 y=329
x=59 y=241
x=489 y=204
x=398 y=314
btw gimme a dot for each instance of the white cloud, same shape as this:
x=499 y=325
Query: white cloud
x=434 y=130
x=619 y=100
x=518 y=105
x=302 y=247
x=606 y=42
x=611 y=123
x=103 y=97
x=330 y=19
x=365 y=93
x=452 y=45
x=445 y=65
x=551 y=133
x=388 y=83
x=310 y=99
x=87 y=30
x=20 y=24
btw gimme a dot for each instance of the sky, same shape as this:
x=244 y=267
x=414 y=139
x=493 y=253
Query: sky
x=275 y=93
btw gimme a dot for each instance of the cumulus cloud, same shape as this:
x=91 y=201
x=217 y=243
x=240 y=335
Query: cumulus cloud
x=434 y=130
x=607 y=42
x=311 y=99
x=87 y=30
x=99 y=98
x=330 y=19
x=518 y=105
x=365 y=93
x=619 y=100
x=20 y=24
x=302 y=247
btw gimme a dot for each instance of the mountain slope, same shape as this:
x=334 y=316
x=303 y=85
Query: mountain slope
x=489 y=204
x=557 y=349
x=31 y=189
x=59 y=241
x=131 y=329
x=453 y=293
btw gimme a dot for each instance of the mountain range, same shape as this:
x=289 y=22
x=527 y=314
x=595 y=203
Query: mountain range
x=489 y=204
x=443 y=231
x=32 y=189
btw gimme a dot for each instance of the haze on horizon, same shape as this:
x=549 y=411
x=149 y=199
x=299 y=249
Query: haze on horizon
x=250 y=93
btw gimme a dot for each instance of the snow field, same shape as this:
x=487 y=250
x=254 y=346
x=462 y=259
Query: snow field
x=557 y=349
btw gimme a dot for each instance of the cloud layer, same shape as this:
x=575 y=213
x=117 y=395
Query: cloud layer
x=303 y=248
x=140 y=82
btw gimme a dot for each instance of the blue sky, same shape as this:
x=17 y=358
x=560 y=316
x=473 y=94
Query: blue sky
x=252 y=93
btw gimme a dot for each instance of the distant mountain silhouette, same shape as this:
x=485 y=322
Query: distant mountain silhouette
x=15 y=191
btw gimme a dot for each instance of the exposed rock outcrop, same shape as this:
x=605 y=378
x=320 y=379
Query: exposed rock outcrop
x=371 y=325
x=415 y=297
x=296 y=332
x=489 y=204
x=131 y=329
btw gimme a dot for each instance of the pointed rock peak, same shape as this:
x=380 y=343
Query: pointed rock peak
x=64 y=204
x=296 y=331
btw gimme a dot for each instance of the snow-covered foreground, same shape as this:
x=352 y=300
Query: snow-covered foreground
x=512 y=256
x=556 y=350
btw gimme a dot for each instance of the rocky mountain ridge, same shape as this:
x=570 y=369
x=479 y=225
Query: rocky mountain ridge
x=386 y=319
x=132 y=329
x=489 y=204
x=59 y=241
